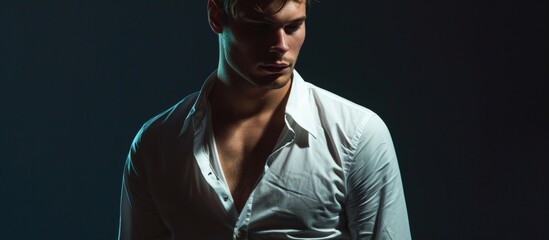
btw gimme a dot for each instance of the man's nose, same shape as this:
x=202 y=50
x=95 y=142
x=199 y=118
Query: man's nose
x=280 y=42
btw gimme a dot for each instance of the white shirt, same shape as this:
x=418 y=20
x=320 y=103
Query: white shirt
x=332 y=175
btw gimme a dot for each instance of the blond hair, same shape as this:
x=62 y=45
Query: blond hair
x=233 y=8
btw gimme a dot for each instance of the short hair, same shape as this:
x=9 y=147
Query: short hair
x=231 y=6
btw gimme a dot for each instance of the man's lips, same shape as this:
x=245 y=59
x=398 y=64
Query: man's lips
x=275 y=67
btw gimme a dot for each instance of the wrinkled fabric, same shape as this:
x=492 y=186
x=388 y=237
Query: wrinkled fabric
x=332 y=175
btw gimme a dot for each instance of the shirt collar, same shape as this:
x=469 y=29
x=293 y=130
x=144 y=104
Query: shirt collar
x=299 y=105
x=201 y=105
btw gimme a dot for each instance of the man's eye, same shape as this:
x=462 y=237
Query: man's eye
x=292 y=28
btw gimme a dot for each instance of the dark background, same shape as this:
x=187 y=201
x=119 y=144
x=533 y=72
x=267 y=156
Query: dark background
x=459 y=84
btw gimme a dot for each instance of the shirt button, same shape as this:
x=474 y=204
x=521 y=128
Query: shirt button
x=240 y=233
x=225 y=198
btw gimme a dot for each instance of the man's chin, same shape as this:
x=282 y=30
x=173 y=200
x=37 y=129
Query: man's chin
x=273 y=81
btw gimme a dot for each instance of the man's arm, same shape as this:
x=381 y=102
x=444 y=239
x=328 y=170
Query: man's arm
x=139 y=217
x=376 y=208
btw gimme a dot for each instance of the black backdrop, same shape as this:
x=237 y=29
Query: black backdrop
x=459 y=84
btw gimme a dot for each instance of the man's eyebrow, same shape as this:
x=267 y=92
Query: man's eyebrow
x=301 y=19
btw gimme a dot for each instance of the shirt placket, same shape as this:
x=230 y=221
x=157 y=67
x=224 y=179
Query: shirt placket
x=240 y=230
x=219 y=187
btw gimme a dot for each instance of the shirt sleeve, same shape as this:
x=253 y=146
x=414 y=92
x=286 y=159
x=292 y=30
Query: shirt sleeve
x=139 y=217
x=376 y=208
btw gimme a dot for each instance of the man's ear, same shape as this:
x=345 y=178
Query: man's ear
x=215 y=16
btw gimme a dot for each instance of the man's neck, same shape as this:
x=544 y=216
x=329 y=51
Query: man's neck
x=241 y=101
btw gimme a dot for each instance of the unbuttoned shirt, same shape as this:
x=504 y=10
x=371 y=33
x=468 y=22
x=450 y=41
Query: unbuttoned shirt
x=332 y=175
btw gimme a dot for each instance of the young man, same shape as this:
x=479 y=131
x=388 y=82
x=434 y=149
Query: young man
x=259 y=153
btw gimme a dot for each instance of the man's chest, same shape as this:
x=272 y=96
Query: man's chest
x=242 y=153
x=299 y=189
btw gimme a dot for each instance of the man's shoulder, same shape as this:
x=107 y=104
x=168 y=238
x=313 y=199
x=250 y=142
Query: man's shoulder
x=347 y=122
x=172 y=118
x=335 y=109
